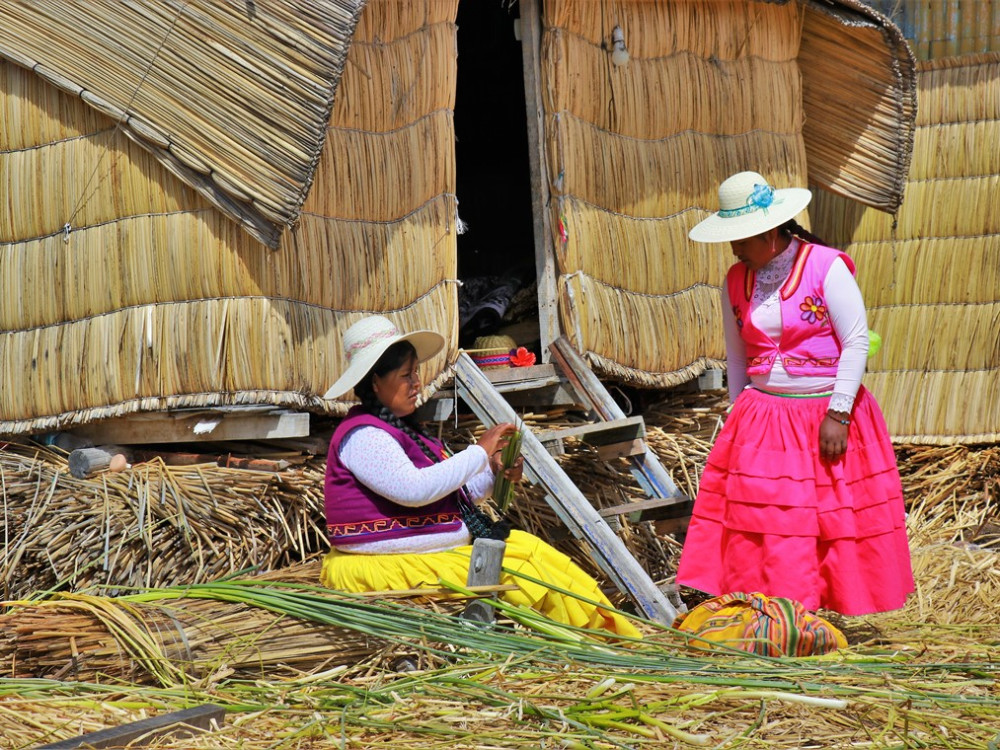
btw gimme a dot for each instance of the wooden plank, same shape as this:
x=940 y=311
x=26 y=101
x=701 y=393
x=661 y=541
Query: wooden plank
x=545 y=257
x=627 y=449
x=175 y=725
x=600 y=433
x=183 y=426
x=569 y=504
x=655 y=508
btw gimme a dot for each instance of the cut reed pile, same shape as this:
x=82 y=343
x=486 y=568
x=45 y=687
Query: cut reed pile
x=924 y=676
x=152 y=525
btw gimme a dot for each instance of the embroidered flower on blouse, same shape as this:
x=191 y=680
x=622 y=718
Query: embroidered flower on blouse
x=813 y=310
x=739 y=317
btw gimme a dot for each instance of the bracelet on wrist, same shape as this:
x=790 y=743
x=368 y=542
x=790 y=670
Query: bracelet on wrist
x=841 y=420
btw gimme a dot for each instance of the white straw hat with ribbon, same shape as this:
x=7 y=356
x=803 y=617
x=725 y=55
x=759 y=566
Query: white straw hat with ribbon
x=368 y=339
x=749 y=206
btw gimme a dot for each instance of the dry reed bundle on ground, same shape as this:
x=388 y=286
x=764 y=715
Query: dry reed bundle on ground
x=152 y=525
x=937 y=375
x=922 y=676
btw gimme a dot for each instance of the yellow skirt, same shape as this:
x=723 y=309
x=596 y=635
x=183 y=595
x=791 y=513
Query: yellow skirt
x=524 y=554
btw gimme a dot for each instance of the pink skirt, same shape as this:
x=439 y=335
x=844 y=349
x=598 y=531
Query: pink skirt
x=772 y=517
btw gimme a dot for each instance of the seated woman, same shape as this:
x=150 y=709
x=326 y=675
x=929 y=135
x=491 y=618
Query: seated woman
x=397 y=505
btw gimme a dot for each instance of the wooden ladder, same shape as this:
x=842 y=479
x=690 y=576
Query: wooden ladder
x=575 y=511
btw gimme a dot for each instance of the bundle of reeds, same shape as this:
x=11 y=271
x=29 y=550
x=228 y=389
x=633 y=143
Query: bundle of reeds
x=152 y=525
x=937 y=374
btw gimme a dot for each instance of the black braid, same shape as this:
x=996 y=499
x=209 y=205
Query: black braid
x=792 y=227
x=478 y=523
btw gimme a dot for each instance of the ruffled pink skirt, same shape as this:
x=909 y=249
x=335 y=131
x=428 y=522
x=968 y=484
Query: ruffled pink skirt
x=772 y=517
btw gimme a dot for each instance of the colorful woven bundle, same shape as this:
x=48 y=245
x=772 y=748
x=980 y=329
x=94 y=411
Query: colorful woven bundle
x=769 y=626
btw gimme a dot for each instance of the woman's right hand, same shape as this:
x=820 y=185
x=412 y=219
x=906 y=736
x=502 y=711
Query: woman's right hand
x=495 y=438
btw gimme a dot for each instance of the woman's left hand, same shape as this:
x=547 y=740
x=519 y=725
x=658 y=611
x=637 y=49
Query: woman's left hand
x=833 y=435
x=514 y=473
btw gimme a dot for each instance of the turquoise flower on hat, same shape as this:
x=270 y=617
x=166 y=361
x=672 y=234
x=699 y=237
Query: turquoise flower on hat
x=762 y=196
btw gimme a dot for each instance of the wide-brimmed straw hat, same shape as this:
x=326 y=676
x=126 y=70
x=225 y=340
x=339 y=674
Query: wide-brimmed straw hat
x=749 y=206
x=367 y=340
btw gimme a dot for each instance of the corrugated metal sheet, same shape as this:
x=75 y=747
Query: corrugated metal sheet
x=944 y=28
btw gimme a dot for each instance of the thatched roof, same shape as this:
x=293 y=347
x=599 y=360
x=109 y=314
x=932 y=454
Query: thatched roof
x=152 y=299
x=859 y=102
x=233 y=98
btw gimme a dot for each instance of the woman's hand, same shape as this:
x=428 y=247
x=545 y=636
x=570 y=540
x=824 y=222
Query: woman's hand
x=494 y=439
x=833 y=431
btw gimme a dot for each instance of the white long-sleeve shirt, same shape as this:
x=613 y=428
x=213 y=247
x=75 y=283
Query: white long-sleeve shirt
x=381 y=465
x=847 y=315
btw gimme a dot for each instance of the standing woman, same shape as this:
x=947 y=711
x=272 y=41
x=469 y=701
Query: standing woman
x=801 y=496
x=399 y=509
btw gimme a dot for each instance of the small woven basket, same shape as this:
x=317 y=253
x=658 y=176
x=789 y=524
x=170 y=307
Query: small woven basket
x=492 y=352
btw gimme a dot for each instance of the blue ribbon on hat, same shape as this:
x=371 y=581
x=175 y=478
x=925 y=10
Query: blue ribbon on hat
x=759 y=200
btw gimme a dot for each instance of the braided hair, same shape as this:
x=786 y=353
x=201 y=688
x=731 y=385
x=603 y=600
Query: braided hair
x=478 y=523
x=393 y=358
x=792 y=227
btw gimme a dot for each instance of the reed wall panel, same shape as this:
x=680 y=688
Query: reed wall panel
x=647 y=98
x=414 y=165
x=635 y=156
x=158 y=300
x=671 y=331
x=414 y=72
x=643 y=255
x=859 y=103
x=931 y=274
x=236 y=99
x=720 y=29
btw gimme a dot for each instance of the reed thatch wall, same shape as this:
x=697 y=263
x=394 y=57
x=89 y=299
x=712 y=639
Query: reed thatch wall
x=233 y=98
x=931 y=273
x=156 y=299
x=636 y=153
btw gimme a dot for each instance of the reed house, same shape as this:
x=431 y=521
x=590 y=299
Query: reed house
x=199 y=198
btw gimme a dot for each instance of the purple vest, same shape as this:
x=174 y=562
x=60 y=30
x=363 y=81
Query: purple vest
x=356 y=514
x=808 y=344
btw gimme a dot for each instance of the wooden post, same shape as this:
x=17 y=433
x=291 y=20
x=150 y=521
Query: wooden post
x=484 y=570
x=545 y=257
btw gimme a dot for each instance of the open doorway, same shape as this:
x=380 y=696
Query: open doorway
x=496 y=253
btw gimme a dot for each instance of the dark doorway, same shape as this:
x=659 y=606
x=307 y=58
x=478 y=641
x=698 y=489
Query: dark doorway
x=496 y=253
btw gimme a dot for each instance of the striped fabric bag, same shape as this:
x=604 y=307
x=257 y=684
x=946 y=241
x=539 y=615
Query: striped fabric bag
x=769 y=626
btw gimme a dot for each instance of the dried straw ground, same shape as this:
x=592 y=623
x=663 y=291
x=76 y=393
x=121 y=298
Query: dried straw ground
x=925 y=676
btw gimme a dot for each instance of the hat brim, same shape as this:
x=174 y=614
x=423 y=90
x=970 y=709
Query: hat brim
x=788 y=203
x=426 y=343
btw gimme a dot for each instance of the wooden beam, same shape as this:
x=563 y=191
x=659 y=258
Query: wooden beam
x=600 y=433
x=194 y=425
x=140 y=733
x=545 y=257
x=569 y=504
